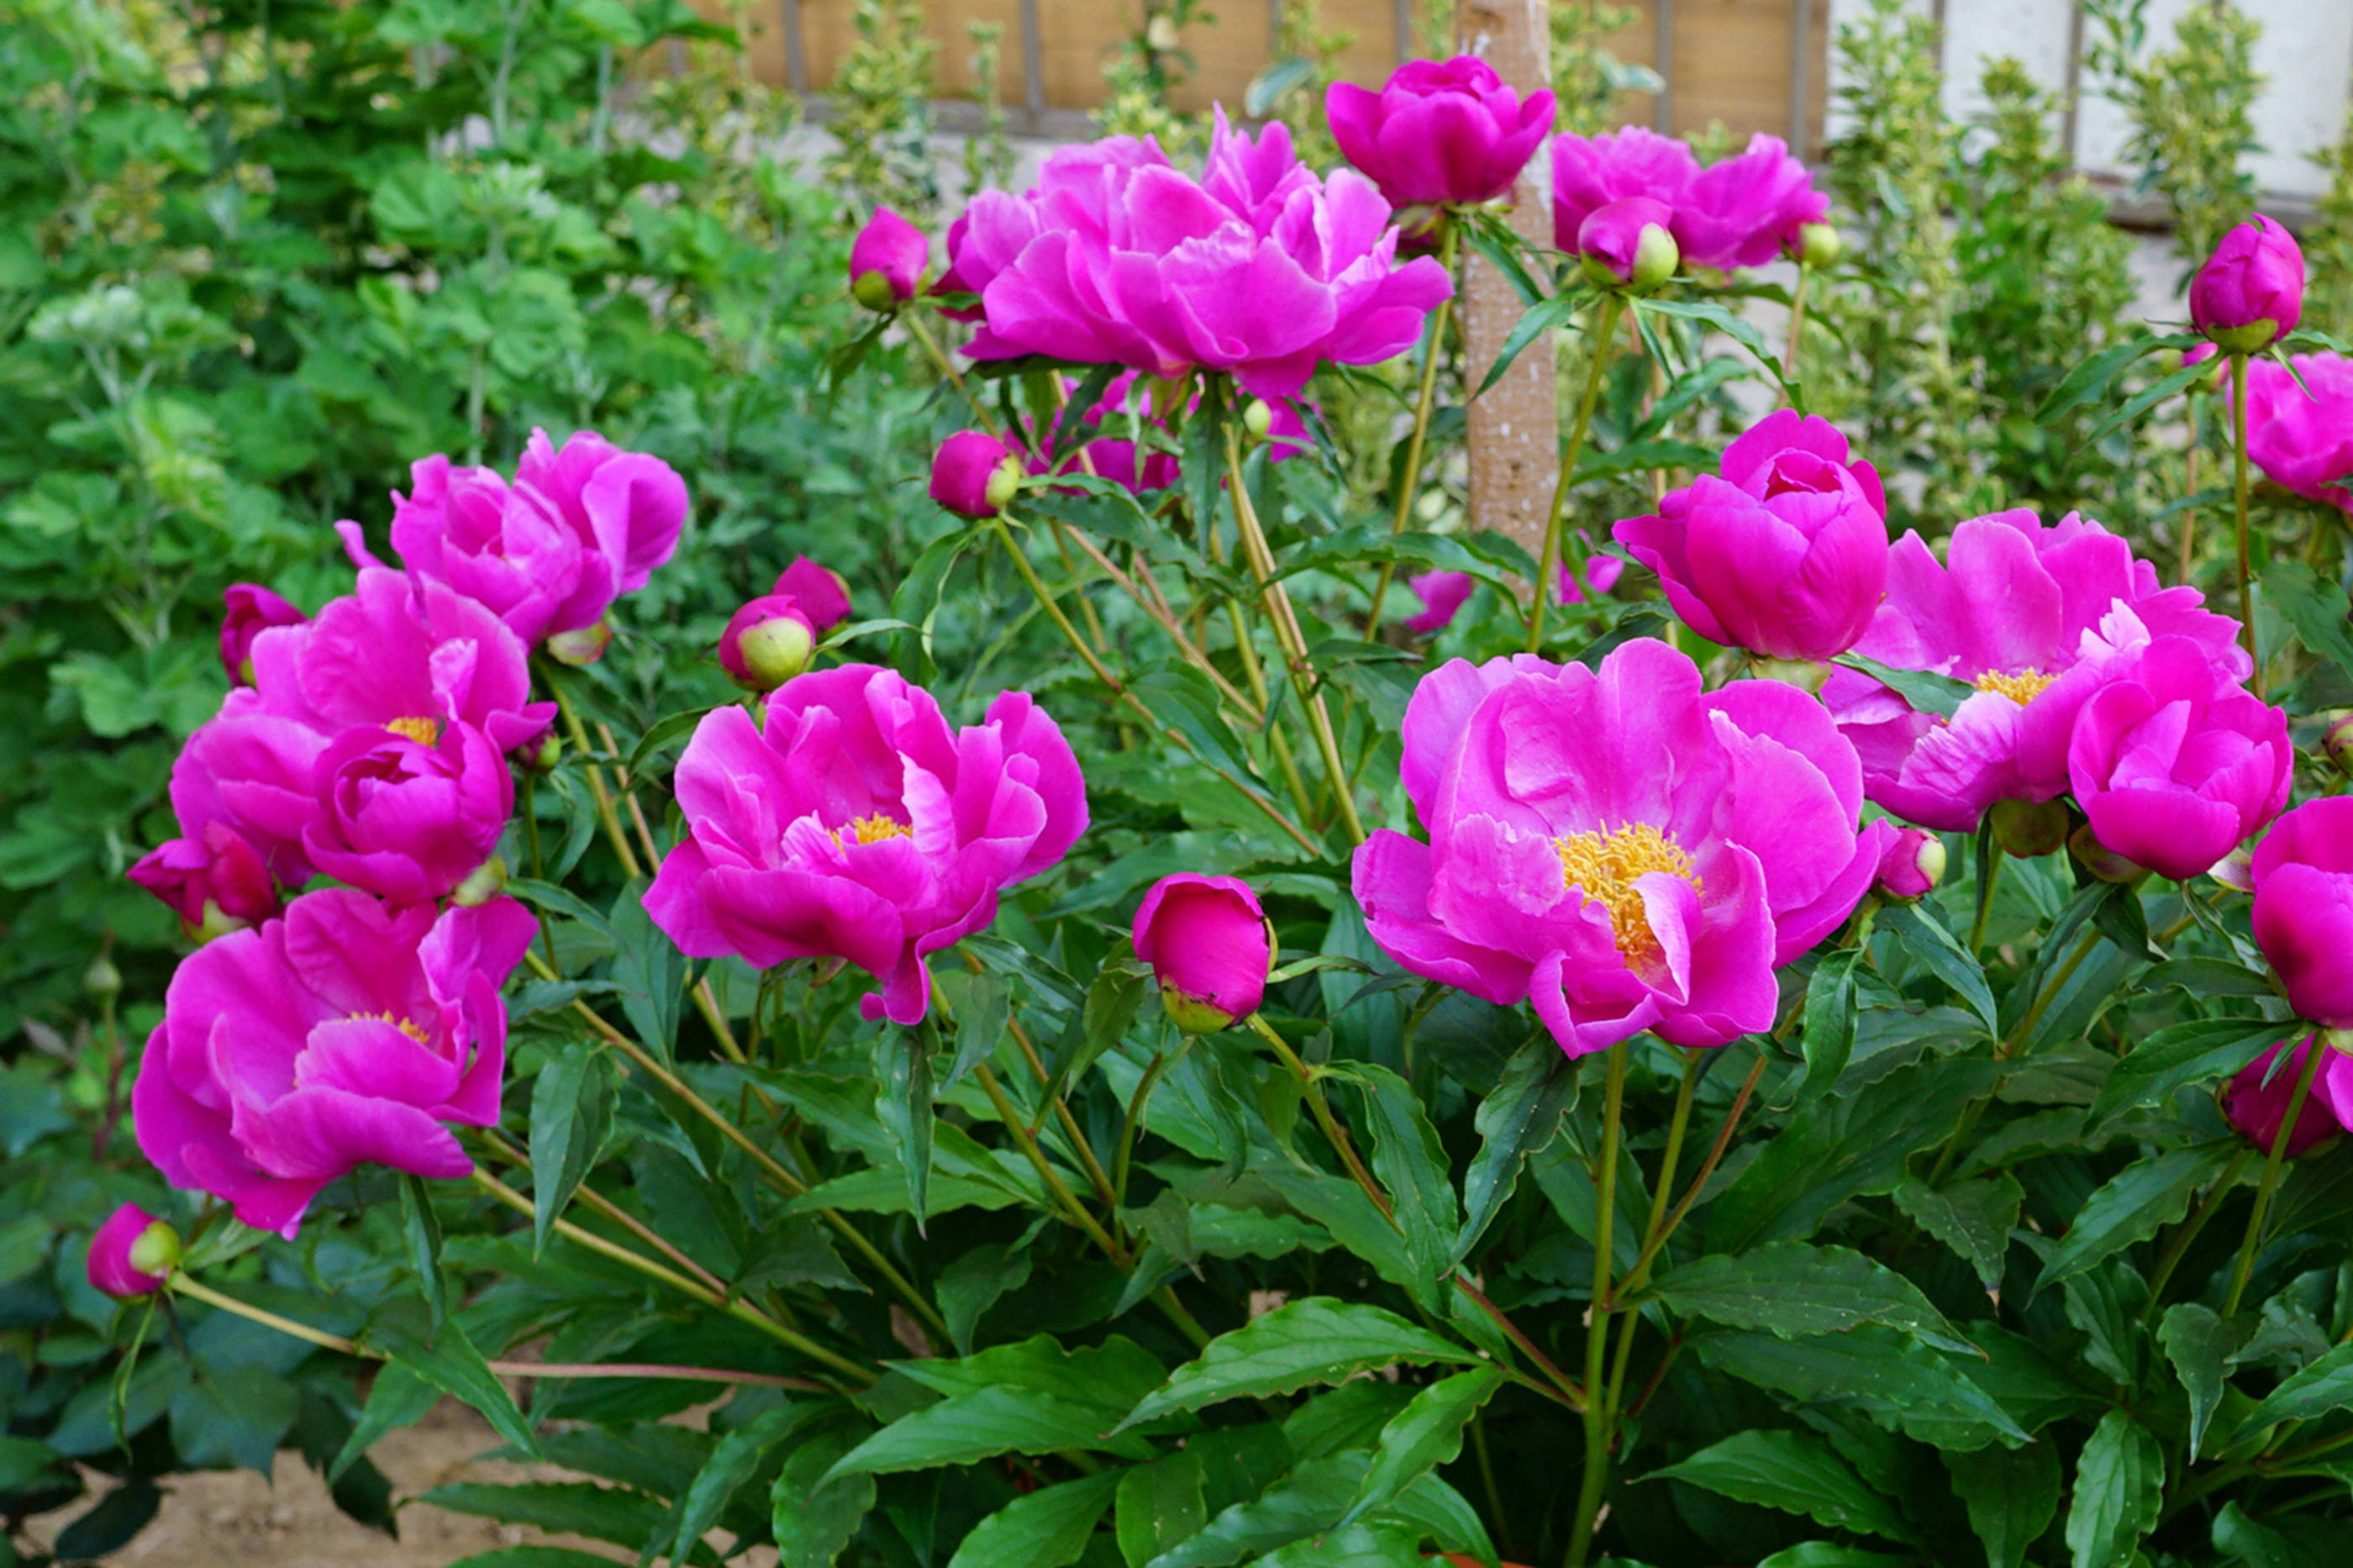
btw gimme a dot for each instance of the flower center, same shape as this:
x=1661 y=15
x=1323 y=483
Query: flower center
x=2022 y=688
x=424 y=732
x=875 y=829
x=1605 y=865
x=409 y=1027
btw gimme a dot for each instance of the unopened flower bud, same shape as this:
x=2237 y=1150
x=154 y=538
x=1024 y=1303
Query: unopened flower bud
x=1258 y=418
x=1815 y=245
x=581 y=647
x=102 y=981
x=1208 y=944
x=542 y=754
x=887 y=261
x=2027 y=828
x=2101 y=861
x=2337 y=742
x=2250 y=293
x=1911 y=865
x=2236 y=870
x=1628 y=245
x=765 y=652
x=975 y=475
x=485 y=882
x=132 y=1254
x=2337 y=1040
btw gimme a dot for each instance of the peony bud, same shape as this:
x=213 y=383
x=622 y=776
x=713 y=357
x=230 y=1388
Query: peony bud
x=132 y=1254
x=2337 y=742
x=1628 y=245
x=2101 y=861
x=2027 y=828
x=1911 y=865
x=2256 y=1107
x=1814 y=245
x=541 y=755
x=482 y=884
x=763 y=646
x=2236 y=870
x=886 y=261
x=2250 y=293
x=102 y=981
x=975 y=475
x=215 y=881
x=1258 y=418
x=582 y=647
x=1208 y=944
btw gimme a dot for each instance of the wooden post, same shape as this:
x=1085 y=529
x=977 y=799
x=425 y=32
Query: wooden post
x=1515 y=423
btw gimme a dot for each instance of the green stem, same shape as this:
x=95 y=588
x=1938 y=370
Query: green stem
x=1707 y=1169
x=1076 y=1211
x=1410 y=481
x=1132 y=1122
x=2314 y=1051
x=2178 y=1246
x=1610 y=305
x=1598 y=1433
x=1653 y=1231
x=2239 y=483
x=914 y=322
x=610 y=819
x=1989 y=864
x=1796 y=325
x=1285 y=622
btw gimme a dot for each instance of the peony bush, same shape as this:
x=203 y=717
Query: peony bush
x=1739 y=1035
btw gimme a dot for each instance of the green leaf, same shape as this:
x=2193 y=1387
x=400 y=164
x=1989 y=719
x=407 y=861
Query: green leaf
x=1792 y=1289
x=976 y=1282
x=2089 y=379
x=1114 y=1374
x=1826 y=1555
x=1796 y=1472
x=659 y=735
x=814 y=1513
x=420 y=1229
x=902 y=1101
x=2200 y=1344
x=451 y=1364
x=1159 y=1506
x=397 y=1398
x=570 y=1117
x=1923 y=936
x=1048 y=1529
x=967 y=1427
x=554 y=900
x=2149 y=397
x=1426 y=1434
x=733 y=1462
x=1540 y=318
x=1517 y=1119
x=1897 y=1381
x=2012 y=1495
x=2316 y=610
x=2194 y=1052
x=2119 y=1486
x=1410 y=1162
x=1316 y=1339
x=1974 y=1218
x=1308 y=1501
x=232 y=1415
x=617 y=1514
x=1739 y=329
x=2325 y=1387
x=1926 y=691
x=983 y=1008
x=650 y=971
x=533 y=1557
x=1830 y=1023
x=2131 y=1206
x=1371 y=1545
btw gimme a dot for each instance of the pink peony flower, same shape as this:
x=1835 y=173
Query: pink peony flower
x=1442 y=597
x=1441 y=132
x=548 y=555
x=2303 y=909
x=886 y=261
x=1740 y=211
x=1619 y=847
x=2301 y=437
x=132 y=1254
x=1258 y=269
x=1208 y=944
x=857 y=825
x=1785 y=554
x=251 y=610
x=213 y=882
x=2256 y=1107
x=2037 y=618
x=2176 y=766
x=1114 y=457
x=407 y=813
x=344 y=1033
x=771 y=637
x=2250 y=293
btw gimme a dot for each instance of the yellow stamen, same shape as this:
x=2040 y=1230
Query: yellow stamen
x=874 y=828
x=2021 y=687
x=405 y=1025
x=1604 y=867
x=424 y=732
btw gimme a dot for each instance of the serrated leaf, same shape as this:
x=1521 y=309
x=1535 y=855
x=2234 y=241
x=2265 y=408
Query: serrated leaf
x=2012 y=1495
x=2200 y=1344
x=570 y=1117
x=1519 y=1117
x=2131 y=1206
x=1898 y=1382
x=1792 y=1289
x=2119 y=1486
x=1923 y=936
x=1828 y=1039
x=2325 y=1387
x=1974 y=1218
x=1426 y=1434
x=967 y=1427
x=420 y=1232
x=2194 y=1052
x=1048 y=1529
x=1315 y=1340
x=1796 y=1472
x=902 y=1103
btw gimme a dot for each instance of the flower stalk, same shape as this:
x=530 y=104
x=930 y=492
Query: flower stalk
x=1549 y=565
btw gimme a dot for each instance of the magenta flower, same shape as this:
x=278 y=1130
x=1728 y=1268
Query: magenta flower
x=1629 y=245
x=344 y=1034
x=1589 y=173
x=2250 y=293
x=2303 y=909
x=1740 y=211
x=1208 y=944
x=1621 y=848
x=1601 y=575
x=215 y=881
x=1785 y=554
x=2256 y=1107
x=2301 y=435
x=2037 y=618
x=1115 y=457
x=1439 y=133
x=1442 y=597
x=251 y=610
x=2175 y=766
x=1257 y=270
x=771 y=637
x=886 y=261
x=132 y=1254
x=579 y=527
x=408 y=814
x=857 y=825
x=1911 y=867
x=975 y=475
